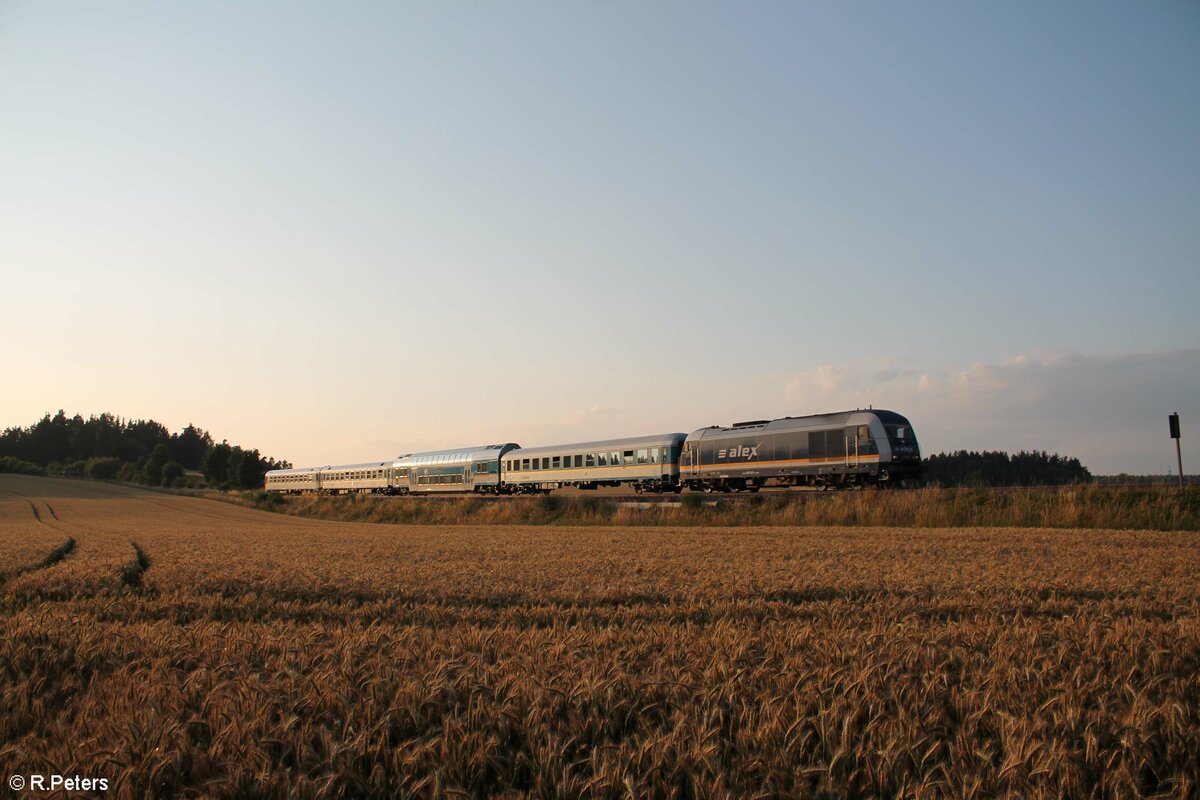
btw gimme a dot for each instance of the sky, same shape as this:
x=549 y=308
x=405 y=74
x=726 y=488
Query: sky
x=342 y=231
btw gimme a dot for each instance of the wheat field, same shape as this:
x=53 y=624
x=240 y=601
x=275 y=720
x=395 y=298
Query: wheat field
x=181 y=647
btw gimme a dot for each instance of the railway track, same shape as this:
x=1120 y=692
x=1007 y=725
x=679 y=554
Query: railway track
x=715 y=498
x=668 y=498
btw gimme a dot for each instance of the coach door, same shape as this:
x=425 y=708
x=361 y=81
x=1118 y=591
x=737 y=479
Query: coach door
x=858 y=444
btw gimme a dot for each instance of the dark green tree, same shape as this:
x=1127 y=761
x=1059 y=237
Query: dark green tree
x=152 y=472
x=190 y=445
x=216 y=464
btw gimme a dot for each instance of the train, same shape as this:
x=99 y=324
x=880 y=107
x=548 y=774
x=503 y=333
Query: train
x=855 y=448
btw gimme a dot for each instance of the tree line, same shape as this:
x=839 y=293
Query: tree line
x=997 y=468
x=107 y=447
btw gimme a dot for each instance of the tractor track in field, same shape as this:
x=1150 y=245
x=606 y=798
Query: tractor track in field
x=131 y=574
x=49 y=560
x=56 y=555
x=37 y=515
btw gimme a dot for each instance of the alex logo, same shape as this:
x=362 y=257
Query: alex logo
x=741 y=451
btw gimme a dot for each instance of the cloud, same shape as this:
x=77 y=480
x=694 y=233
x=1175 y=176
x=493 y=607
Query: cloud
x=1107 y=410
x=822 y=383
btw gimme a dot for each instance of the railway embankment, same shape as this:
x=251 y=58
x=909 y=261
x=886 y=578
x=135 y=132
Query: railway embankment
x=1118 y=507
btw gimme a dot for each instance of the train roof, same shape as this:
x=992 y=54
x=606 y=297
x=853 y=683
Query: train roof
x=802 y=423
x=365 y=465
x=607 y=444
x=484 y=452
x=291 y=471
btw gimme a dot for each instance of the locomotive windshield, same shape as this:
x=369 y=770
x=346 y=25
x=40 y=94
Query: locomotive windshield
x=902 y=434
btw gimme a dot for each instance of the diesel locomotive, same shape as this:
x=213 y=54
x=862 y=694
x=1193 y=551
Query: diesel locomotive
x=848 y=448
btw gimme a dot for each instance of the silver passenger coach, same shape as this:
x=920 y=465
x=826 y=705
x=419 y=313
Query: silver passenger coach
x=370 y=477
x=303 y=479
x=473 y=469
x=645 y=463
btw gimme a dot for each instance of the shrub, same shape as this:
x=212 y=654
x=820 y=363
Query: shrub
x=171 y=472
x=102 y=469
x=17 y=466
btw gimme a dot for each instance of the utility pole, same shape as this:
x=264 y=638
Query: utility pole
x=1173 y=422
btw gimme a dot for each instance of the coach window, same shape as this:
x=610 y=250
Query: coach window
x=537 y=463
x=628 y=456
x=642 y=457
x=555 y=463
x=546 y=462
x=589 y=459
